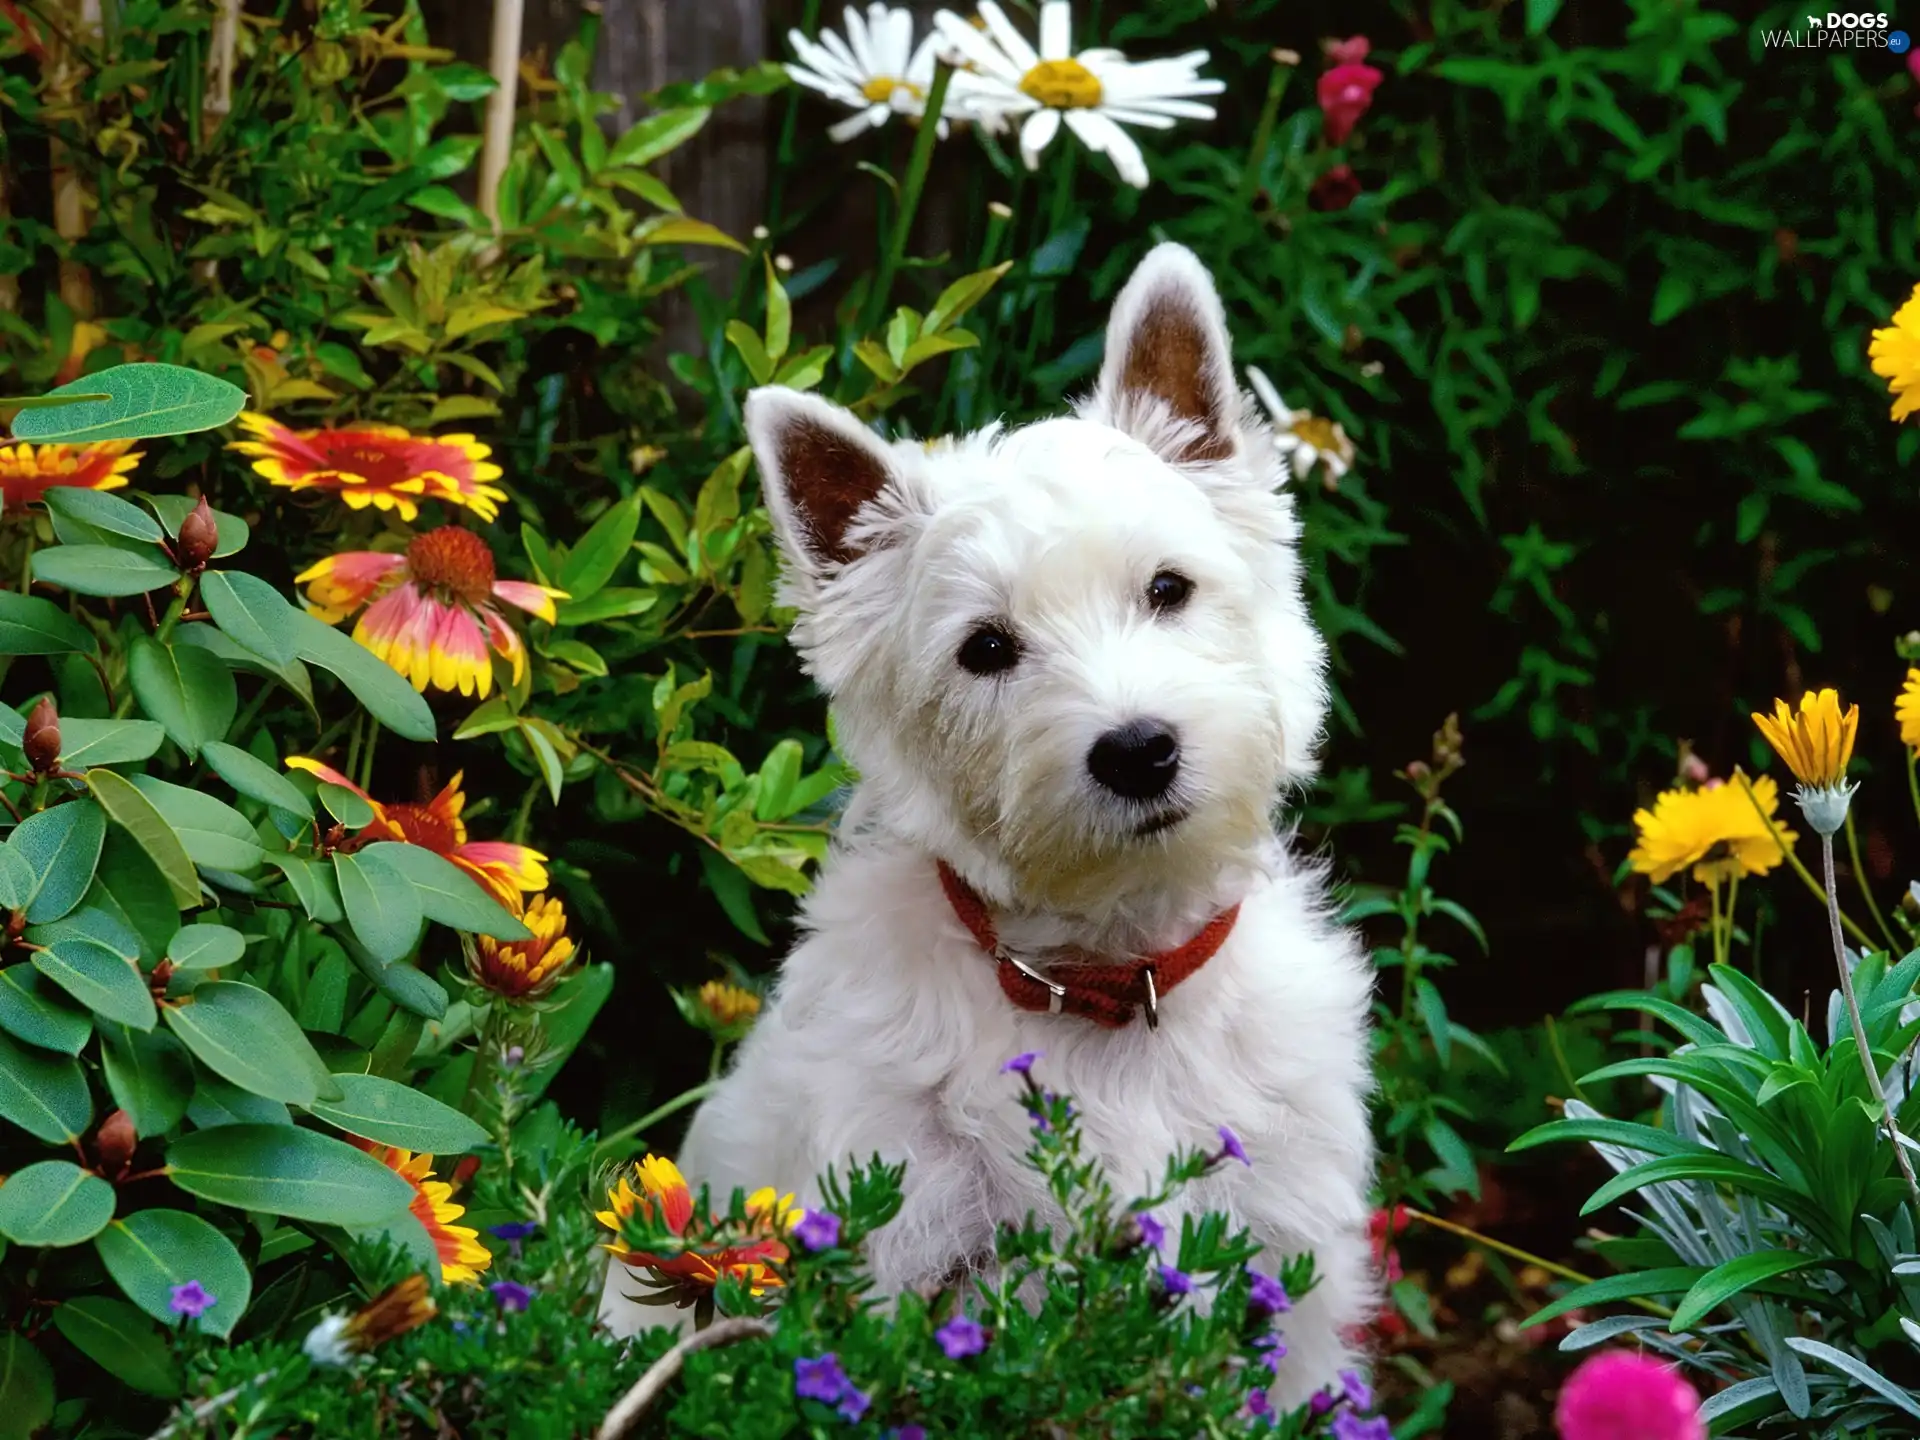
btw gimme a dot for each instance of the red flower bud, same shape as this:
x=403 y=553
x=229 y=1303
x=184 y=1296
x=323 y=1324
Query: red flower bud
x=114 y=1145
x=41 y=740
x=199 y=537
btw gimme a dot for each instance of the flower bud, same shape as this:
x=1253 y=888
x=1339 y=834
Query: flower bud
x=41 y=740
x=199 y=537
x=115 y=1143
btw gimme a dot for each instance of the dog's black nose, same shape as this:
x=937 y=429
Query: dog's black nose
x=1138 y=760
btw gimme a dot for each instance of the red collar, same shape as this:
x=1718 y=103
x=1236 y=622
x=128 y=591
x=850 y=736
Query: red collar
x=1105 y=992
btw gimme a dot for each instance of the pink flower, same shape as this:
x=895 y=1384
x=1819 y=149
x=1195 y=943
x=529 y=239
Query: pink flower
x=1346 y=92
x=1347 y=52
x=1913 y=63
x=1618 y=1395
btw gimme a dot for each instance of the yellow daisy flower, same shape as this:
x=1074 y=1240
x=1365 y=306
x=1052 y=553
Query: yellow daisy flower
x=1907 y=711
x=1816 y=742
x=1895 y=353
x=1714 y=830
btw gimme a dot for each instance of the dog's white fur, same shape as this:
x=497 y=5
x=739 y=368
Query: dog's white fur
x=888 y=1027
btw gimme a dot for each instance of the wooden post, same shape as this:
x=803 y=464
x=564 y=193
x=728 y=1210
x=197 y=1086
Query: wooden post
x=70 y=197
x=509 y=18
x=221 y=47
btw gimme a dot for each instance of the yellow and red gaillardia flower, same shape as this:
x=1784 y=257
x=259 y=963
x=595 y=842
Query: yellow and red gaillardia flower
x=503 y=868
x=27 y=472
x=385 y=466
x=430 y=610
x=664 y=1196
x=1715 y=829
x=462 y=1256
x=525 y=969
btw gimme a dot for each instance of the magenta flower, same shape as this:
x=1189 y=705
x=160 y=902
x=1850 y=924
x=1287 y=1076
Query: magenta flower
x=190 y=1300
x=1345 y=94
x=1618 y=1395
x=1231 y=1148
x=511 y=1296
x=1347 y=52
x=1258 y=1405
x=1322 y=1402
x=960 y=1337
x=1268 y=1296
x=820 y=1230
x=1177 y=1282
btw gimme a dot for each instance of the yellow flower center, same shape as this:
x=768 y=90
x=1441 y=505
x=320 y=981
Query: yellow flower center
x=454 y=560
x=880 y=89
x=1062 y=85
x=1318 y=432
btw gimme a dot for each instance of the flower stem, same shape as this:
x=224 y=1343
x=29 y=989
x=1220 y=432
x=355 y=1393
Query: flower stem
x=1793 y=860
x=1866 y=890
x=1860 y=1040
x=655 y=1116
x=1514 y=1252
x=910 y=191
x=1262 y=136
x=1913 y=780
x=1714 y=927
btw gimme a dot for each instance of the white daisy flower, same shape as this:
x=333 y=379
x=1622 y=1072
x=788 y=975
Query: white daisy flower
x=1094 y=92
x=876 y=70
x=1305 y=439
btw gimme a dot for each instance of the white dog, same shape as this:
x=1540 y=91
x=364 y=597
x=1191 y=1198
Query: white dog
x=1074 y=670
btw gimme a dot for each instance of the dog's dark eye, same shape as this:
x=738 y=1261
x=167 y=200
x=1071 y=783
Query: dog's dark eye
x=988 y=651
x=1168 y=590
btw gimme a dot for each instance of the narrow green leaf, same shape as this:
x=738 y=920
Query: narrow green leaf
x=396 y=1114
x=245 y=1036
x=253 y=613
x=61 y=845
x=206 y=947
x=142 y=823
x=103 y=570
x=593 y=561
x=1727 y=1280
x=188 y=690
x=214 y=833
x=43 y=1093
x=284 y=1170
x=143 y=400
x=121 y=1341
x=381 y=903
x=151 y=1251
x=102 y=981
x=33 y=625
x=375 y=684
x=32 y=1010
x=148 y=1075
x=1664 y=1280
x=54 y=1203
x=449 y=894
x=255 y=778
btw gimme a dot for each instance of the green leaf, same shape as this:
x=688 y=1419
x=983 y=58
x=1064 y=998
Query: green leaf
x=26 y=1386
x=206 y=947
x=121 y=1341
x=107 y=984
x=1540 y=15
x=100 y=921
x=552 y=768
x=779 y=315
x=654 y=136
x=778 y=774
x=253 y=613
x=148 y=1075
x=104 y=570
x=284 y=1170
x=961 y=296
x=412 y=989
x=1433 y=1014
x=349 y=807
x=108 y=742
x=218 y=643
x=449 y=894
x=54 y=1203
x=1664 y=1280
x=156 y=840
x=1727 y=1280
x=151 y=1251
x=381 y=903
x=61 y=846
x=214 y=833
x=1713 y=1168
x=374 y=683
x=245 y=1036
x=33 y=625
x=33 y=1011
x=312 y=882
x=614 y=603
x=1600 y=1131
x=44 y=1094
x=143 y=401
x=396 y=1114
x=230 y=531
x=17 y=880
x=592 y=562
x=186 y=689
x=254 y=778
x=98 y=511
x=216 y=1103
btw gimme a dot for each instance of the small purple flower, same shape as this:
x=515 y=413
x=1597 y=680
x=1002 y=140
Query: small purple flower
x=511 y=1296
x=821 y=1379
x=1349 y=1426
x=190 y=1300
x=513 y=1230
x=819 y=1230
x=1268 y=1296
x=1022 y=1064
x=1177 y=1282
x=960 y=1337
x=1258 y=1405
x=1273 y=1350
x=1322 y=1402
x=1151 y=1230
x=908 y=1432
x=853 y=1404
x=1359 y=1394
x=460 y=1327
x=1231 y=1147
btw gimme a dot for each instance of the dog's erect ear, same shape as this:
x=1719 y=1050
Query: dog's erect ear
x=1167 y=342
x=818 y=467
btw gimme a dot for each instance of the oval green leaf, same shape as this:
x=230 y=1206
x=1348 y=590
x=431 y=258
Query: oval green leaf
x=214 y=833
x=143 y=400
x=150 y=1252
x=284 y=1170
x=108 y=742
x=396 y=1114
x=254 y=778
x=33 y=625
x=98 y=511
x=54 y=1203
x=349 y=807
x=374 y=683
x=34 y=1011
x=187 y=689
x=252 y=612
x=215 y=1103
x=245 y=1036
x=148 y=1075
x=26 y=1385
x=157 y=840
x=43 y=1093
x=381 y=904
x=449 y=894
x=103 y=570
x=121 y=1341
x=206 y=947
x=61 y=846
x=102 y=981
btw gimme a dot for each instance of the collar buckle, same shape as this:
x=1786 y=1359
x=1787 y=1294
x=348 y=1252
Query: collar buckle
x=1056 y=992
x=1152 y=1007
